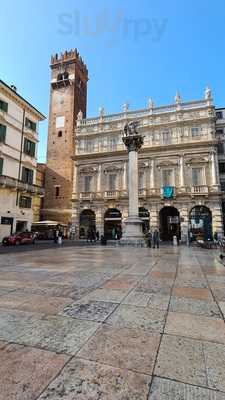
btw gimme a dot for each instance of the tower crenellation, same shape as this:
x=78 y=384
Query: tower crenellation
x=68 y=56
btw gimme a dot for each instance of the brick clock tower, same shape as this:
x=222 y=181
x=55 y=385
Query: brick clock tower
x=68 y=96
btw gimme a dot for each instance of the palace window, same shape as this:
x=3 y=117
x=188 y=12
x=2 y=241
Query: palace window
x=112 y=182
x=195 y=131
x=222 y=186
x=222 y=167
x=220 y=147
x=167 y=177
x=2 y=133
x=25 y=202
x=89 y=146
x=60 y=134
x=59 y=77
x=112 y=144
x=141 y=180
x=219 y=114
x=87 y=183
x=166 y=137
x=3 y=105
x=27 y=175
x=29 y=147
x=30 y=124
x=1 y=166
x=196 y=176
x=219 y=131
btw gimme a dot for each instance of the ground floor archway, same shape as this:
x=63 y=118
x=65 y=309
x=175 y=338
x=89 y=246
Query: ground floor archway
x=145 y=216
x=113 y=224
x=87 y=223
x=169 y=219
x=200 y=221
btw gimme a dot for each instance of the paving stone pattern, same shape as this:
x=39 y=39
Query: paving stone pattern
x=112 y=324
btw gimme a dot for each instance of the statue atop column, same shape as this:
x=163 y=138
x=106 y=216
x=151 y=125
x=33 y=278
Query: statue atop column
x=132 y=233
x=132 y=139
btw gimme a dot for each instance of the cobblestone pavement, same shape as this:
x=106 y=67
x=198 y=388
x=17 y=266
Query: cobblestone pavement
x=112 y=324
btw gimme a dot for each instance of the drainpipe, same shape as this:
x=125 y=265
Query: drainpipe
x=21 y=153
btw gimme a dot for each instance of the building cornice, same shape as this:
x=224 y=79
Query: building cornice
x=20 y=100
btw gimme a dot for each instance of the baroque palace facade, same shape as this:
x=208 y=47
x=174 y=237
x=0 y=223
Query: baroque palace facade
x=86 y=174
x=179 y=185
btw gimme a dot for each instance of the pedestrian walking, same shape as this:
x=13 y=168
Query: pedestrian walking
x=89 y=235
x=156 y=238
x=56 y=235
x=93 y=236
x=60 y=237
x=149 y=239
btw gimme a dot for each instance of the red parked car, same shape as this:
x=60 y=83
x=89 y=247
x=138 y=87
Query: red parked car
x=19 y=238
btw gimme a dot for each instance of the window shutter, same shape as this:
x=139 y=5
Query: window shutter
x=33 y=126
x=23 y=178
x=25 y=146
x=31 y=174
x=2 y=133
x=3 y=106
x=32 y=149
x=1 y=165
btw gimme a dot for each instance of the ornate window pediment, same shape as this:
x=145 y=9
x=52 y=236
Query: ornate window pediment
x=143 y=165
x=197 y=160
x=87 y=170
x=112 y=168
x=167 y=163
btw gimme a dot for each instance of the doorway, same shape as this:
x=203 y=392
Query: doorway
x=144 y=215
x=200 y=221
x=21 y=226
x=87 y=221
x=169 y=223
x=113 y=224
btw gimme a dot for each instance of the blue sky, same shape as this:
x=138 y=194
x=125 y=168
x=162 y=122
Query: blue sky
x=133 y=49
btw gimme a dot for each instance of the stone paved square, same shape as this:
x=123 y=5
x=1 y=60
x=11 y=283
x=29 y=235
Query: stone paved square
x=132 y=349
x=108 y=323
x=25 y=371
x=92 y=310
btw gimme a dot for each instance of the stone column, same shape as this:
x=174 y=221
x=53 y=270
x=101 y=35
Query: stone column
x=152 y=174
x=125 y=176
x=184 y=217
x=133 y=183
x=213 y=166
x=99 y=178
x=154 y=217
x=75 y=181
x=182 y=171
x=132 y=234
x=99 y=221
